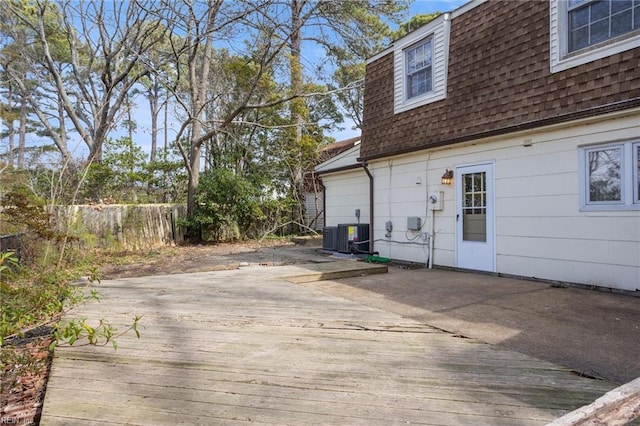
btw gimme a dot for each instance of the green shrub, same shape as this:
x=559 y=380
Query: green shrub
x=227 y=206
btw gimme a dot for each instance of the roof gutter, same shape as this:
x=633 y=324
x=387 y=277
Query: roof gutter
x=338 y=169
x=622 y=107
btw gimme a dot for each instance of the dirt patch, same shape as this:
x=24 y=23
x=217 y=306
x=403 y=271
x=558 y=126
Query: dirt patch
x=203 y=258
x=25 y=371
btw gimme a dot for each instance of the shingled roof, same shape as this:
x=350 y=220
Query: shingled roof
x=499 y=81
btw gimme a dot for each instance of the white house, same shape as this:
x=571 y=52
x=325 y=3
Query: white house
x=346 y=188
x=534 y=109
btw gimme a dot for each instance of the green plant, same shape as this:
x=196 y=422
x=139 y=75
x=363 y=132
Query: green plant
x=38 y=292
x=8 y=265
x=227 y=206
x=100 y=335
x=26 y=211
x=33 y=302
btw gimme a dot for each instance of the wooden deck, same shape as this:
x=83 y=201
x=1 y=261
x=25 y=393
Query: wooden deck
x=244 y=346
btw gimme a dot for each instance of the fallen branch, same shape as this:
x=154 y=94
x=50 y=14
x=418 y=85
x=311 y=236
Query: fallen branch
x=287 y=224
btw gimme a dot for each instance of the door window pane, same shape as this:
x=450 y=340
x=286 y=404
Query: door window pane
x=605 y=182
x=474 y=226
x=474 y=211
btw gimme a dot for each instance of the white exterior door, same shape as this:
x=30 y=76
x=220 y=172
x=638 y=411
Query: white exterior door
x=475 y=240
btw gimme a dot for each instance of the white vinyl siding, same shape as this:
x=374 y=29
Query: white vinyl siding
x=578 y=36
x=314 y=210
x=346 y=192
x=540 y=229
x=435 y=35
x=345 y=159
x=636 y=171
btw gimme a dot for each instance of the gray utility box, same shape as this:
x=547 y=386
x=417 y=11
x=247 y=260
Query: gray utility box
x=353 y=237
x=414 y=223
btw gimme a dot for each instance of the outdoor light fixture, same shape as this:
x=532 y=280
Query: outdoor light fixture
x=447 y=177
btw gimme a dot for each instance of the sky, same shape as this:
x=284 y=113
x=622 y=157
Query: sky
x=417 y=7
x=143 y=121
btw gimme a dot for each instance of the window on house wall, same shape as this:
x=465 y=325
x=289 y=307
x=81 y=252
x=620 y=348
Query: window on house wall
x=474 y=208
x=418 y=60
x=611 y=176
x=586 y=30
x=595 y=21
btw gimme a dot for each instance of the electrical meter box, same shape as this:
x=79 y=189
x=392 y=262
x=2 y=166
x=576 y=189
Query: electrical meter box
x=414 y=223
x=436 y=200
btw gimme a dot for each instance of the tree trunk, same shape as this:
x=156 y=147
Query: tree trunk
x=61 y=141
x=22 y=132
x=297 y=106
x=154 y=110
x=296 y=70
x=10 y=128
x=165 y=176
x=199 y=88
x=194 y=177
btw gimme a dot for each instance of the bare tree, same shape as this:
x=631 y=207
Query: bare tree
x=199 y=24
x=348 y=31
x=105 y=47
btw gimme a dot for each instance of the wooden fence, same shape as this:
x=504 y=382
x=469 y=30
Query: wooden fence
x=120 y=226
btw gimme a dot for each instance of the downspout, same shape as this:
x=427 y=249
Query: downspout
x=432 y=237
x=366 y=169
x=324 y=203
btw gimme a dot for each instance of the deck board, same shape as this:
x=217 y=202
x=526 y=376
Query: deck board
x=233 y=347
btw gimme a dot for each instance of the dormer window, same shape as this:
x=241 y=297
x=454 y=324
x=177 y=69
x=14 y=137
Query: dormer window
x=583 y=31
x=418 y=60
x=420 y=65
x=592 y=22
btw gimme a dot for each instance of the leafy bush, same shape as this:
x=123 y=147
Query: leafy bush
x=32 y=300
x=121 y=175
x=36 y=291
x=228 y=205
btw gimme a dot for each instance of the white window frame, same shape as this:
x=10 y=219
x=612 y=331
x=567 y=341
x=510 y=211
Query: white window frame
x=438 y=32
x=629 y=177
x=561 y=59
